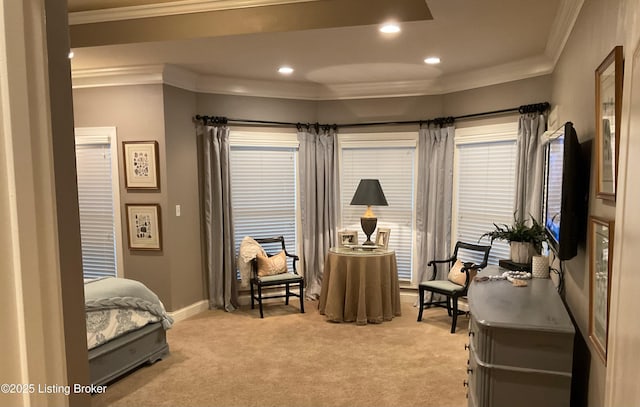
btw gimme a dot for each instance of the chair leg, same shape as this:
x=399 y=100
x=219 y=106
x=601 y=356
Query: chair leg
x=301 y=298
x=286 y=298
x=449 y=305
x=260 y=300
x=252 y=295
x=421 y=294
x=455 y=314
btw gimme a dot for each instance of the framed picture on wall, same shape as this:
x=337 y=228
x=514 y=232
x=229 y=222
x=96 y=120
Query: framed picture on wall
x=600 y=257
x=141 y=165
x=143 y=226
x=608 y=111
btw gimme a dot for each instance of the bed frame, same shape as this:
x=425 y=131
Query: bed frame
x=125 y=353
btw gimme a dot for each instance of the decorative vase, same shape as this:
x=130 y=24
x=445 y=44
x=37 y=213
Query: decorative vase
x=521 y=252
x=540 y=267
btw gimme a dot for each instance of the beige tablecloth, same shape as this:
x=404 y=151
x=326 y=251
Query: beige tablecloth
x=360 y=287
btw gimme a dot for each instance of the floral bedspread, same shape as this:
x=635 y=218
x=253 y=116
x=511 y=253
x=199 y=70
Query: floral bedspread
x=105 y=325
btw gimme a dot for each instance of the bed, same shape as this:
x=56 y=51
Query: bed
x=126 y=324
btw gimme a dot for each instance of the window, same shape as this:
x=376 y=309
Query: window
x=264 y=186
x=389 y=157
x=98 y=198
x=484 y=183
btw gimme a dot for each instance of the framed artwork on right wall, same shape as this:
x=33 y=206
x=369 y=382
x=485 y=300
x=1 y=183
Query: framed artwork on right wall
x=608 y=110
x=600 y=259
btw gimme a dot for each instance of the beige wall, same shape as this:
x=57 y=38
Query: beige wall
x=624 y=341
x=497 y=97
x=573 y=92
x=67 y=199
x=137 y=112
x=490 y=98
x=379 y=110
x=182 y=241
x=256 y=108
x=43 y=335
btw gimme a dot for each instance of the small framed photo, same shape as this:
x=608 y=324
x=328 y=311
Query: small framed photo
x=347 y=238
x=382 y=237
x=141 y=164
x=143 y=226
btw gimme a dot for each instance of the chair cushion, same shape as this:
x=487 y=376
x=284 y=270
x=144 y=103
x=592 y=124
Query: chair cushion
x=442 y=285
x=279 y=277
x=268 y=266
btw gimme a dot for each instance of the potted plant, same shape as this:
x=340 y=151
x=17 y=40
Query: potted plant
x=524 y=240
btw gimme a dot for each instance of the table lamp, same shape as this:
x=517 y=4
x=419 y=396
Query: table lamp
x=369 y=192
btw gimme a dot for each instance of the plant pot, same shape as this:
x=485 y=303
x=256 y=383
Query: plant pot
x=522 y=252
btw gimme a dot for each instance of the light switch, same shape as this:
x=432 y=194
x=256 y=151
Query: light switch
x=177 y=210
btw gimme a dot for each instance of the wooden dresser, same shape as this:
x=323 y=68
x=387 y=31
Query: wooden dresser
x=520 y=344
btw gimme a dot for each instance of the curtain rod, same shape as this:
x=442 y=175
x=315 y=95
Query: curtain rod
x=536 y=107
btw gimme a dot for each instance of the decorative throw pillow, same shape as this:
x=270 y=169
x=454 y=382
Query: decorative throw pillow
x=457 y=276
x=268 y=266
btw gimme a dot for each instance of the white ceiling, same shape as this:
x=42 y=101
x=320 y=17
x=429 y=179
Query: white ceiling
x=480 y=42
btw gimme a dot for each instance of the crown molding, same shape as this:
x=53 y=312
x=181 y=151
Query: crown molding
x=180 y=78
x=185 y=79
x=122 y=76
x=259 y=88
x=561 y=27
x=495 y=75
x=370 y=90
x=168 y=8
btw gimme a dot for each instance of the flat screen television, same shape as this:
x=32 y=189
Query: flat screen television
x=565 y=186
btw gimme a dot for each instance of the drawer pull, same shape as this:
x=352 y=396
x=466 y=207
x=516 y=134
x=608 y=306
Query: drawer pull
x=469 y=371
x=471 y=333
x=465 y=383
x=466 y=346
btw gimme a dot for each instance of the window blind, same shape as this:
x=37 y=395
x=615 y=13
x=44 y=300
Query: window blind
x=263 y=193
x=394 y=167
x=95 y=198
x=485 y=191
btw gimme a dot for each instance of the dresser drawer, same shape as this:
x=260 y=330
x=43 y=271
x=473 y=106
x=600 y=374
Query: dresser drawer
x=539 y=350
x=498 y=386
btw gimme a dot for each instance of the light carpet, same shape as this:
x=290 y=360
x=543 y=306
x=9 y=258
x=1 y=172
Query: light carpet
x=292 y=359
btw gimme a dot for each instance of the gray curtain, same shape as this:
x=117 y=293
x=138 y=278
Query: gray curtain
x=319 y=184
x=529 y=166
x=218 y=223
x=434 y=196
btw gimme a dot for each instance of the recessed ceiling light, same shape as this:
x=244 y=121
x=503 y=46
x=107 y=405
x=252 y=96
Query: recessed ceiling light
x=390 y=28
x=71 y=54
x=285 y=70
x=432 y=60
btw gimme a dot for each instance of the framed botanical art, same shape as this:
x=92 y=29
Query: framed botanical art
x=347 y=238
x=600 y=257
x=382 y=237
x=141 y=165
x=608 y=110
x=143 y=226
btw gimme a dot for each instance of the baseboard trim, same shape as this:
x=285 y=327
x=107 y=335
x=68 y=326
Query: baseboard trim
x=407 y=295
x=189 y=311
